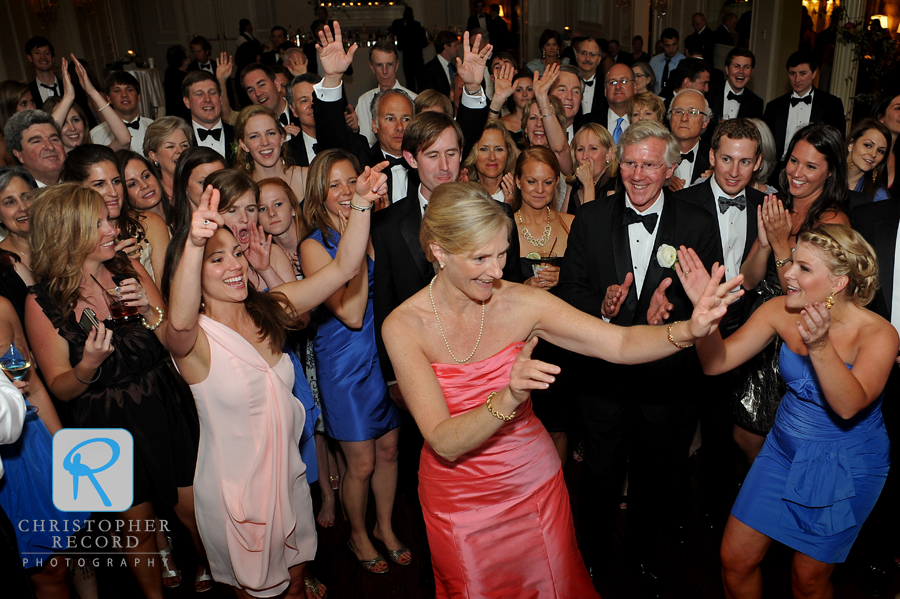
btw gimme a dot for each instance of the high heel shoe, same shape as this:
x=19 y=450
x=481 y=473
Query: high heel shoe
x=369 y=564
x=167 y=572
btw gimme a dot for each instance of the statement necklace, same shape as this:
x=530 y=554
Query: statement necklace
x=538 y=243
x=441 y=328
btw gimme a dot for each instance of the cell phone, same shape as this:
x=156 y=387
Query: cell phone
x=88 y=320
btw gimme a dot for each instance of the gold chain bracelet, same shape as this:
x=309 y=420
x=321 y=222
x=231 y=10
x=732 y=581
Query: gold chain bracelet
x=494 y=412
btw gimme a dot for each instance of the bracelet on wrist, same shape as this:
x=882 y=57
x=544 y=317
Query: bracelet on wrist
x=362 y=208
x=780 y=263
x=492 y=111
x=161 y=314
x=545 y=112
x=672 y=338
x=494 y=412
x=84 y=382
x=105 y=107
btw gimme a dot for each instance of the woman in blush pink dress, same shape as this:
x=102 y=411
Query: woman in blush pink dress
x=253 y=507
x=493 y=496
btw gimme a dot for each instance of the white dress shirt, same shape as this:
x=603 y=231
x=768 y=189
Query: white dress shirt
x=730 y=108
x=798 y=117
x=364 y=110
x=399 y=179
x=685 y=169
x=210 y=141
x=444 y=64
x=642 y=242
x=423 y=203
x=570 y=132
x=732 y=230
x=309 y=142
x=101 y=134
x=587 y=96
x=46 y=94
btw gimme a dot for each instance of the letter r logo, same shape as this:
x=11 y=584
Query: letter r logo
x=93 y=470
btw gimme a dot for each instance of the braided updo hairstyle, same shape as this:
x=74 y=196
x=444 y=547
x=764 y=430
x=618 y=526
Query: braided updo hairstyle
x=847 y=254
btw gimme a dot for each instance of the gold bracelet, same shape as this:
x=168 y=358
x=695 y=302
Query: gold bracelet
x=361 y=208
x=672 y=339
x=494 y=412
x=162 y=315
x=545 y=112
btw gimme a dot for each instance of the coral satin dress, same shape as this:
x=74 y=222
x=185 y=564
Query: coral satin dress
x=498 y=518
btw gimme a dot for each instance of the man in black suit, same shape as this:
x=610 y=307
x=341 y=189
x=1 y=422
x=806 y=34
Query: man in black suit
x=634 y=416
x=688 y=118
x=614 y=49
x=40 y=53
x=879 y=224
x=303 y=147
x=733 y=99
x=498 y=32
x=277 y=36
x=588 y=58
x=263 y=88
x=202 y=95
x=691 y=73
x=703 y=35
x=201 y=50
x=726 y=34
x=479 y=19
x=789 y=113
x=730 y=199
x=438 y=72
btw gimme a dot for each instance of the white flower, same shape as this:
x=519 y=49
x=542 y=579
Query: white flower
x=667 y=256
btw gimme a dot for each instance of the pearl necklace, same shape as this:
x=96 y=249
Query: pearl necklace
x=538 y=243
x=441 y=328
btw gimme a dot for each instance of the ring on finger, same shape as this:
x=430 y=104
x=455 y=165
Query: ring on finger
x=687 y=273
x=205 y=222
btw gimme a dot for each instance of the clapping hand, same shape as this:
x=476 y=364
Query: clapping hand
x=259 y=251
x=83 y=78
x=615 y=297
x=331 y=53
x=814 y=325
x=777 y=223
x=68 y=88
x=660 y=308
x=508 y=185
x=351 y=118
x=471 y=67
x=528 y=374
x=713 y=303
x=676 y=183
x=206 y=218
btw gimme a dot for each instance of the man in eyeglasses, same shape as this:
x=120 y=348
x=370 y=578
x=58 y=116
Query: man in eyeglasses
x=688 y=118
x=638 y=417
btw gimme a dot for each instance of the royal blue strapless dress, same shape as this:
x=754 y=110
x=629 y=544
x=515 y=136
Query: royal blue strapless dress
x=355 y=399
x=818 y=476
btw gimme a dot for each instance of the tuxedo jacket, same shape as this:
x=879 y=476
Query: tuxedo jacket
x=434 y=77
x=751 y=107
x=401 y=269
x=707 y=39
x=877 y=222
x=701 y=162
x=195 y=66
x=598 y=255
x=297 y=148
x=723 y=36
x=825 y=108
x=80 y=98
x=228 y=132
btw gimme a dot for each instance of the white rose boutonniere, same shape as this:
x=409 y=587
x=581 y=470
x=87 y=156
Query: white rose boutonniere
x=667 y=256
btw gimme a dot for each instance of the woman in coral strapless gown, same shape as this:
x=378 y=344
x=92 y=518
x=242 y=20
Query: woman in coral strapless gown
x=493 y=496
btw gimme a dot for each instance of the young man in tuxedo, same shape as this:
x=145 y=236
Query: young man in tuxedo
x=201 y=50
x=634 y=416
x=123 y=92
x=384 y=61
x=277 y=36
x=439 y=71
x=202 y=95
x=40 y=53
x=263 y=88
x=688 y=119
x=805 y=104
x=734 y=99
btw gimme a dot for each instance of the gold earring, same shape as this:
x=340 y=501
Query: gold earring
x=829 y=301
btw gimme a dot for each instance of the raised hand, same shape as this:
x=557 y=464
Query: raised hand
x=814 y=325
x=292 y=129
x=528 y=374
x=713 y=303
x=503 y=82
x=761 y=235
x=225 y=66
x=97 y=347
x=83 y=78
x=615 y=297
x=777 y=223
x=463 y=175
x=660 y=307
x=372 y=182
x=206 y=219
x=692 y=273
x=68 y=88
x=542 y=85
x=471 y=67
x=259 y=251
x=332 y=58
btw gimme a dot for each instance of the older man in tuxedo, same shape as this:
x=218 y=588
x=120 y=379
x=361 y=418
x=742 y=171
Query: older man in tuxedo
x=688 y=119
x=634 y=416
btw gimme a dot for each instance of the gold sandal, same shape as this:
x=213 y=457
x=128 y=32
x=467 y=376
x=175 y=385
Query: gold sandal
x=369 y=564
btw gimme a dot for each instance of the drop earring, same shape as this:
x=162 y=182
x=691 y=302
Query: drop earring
x=829 y=301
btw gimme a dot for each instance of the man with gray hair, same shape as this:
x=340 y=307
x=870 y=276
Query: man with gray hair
x=383 y=60
x=34 y=138
x=688 y=117
x=635 y=417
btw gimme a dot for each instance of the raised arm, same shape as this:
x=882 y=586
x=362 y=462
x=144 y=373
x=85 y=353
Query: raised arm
x=503 y=89
x=121 y=136
x=556 y=134
x=224 y=68
x=332 y=57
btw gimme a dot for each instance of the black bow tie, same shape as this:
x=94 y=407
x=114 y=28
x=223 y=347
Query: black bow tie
x=51 y=88
x=689 y=156
x=283 y=119
x=806 y=100
x=648 y=220
x=590 y=83
x=725 y=203
x=135 y=124
x=206 y=67
x=216 y=133
x=392 y=162
x=737 y=98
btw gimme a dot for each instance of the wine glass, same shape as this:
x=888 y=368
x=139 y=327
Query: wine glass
x=16 y=361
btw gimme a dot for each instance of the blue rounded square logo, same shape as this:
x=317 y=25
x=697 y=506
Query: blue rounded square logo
x=93 y=470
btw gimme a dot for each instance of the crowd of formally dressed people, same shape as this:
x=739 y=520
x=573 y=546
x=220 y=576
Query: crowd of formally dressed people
x=343 y=297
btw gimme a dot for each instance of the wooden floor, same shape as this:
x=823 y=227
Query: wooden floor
x=692 y=571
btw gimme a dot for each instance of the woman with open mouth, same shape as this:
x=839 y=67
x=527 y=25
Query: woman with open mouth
x=357 y=406
x=142 y=235
x=260 y=152
x=868 y=147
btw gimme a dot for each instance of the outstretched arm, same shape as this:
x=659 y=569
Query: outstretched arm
x=121 y=136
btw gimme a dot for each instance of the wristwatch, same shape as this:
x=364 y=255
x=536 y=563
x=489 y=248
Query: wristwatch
x=780 y=263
